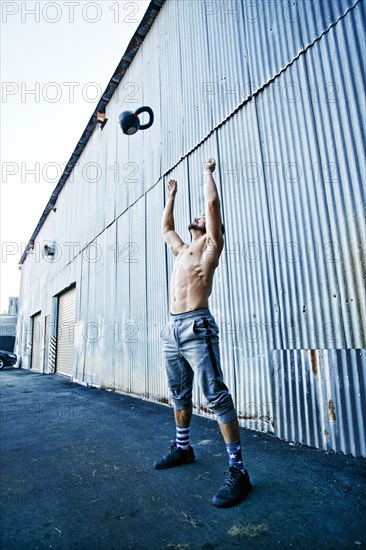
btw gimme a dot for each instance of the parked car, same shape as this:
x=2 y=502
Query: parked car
x=7 y=359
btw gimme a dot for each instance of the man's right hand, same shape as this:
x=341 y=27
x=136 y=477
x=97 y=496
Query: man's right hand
x=172 y=188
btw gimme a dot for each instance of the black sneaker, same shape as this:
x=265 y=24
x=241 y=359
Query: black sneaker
x=234 y=489
x=175 y=457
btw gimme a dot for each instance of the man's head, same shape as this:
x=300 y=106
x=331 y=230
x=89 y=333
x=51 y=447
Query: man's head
x=199 y=224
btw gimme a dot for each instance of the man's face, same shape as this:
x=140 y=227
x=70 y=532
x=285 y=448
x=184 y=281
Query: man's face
x=199 y=224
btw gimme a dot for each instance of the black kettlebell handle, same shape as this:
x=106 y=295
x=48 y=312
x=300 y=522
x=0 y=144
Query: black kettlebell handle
x=151 y=114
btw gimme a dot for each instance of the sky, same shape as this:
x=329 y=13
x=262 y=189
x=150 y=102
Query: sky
x=56 y=60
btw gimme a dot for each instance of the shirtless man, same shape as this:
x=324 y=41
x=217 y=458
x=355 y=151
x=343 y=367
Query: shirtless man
x=191 y=342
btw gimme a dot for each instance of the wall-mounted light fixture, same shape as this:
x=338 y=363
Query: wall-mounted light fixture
x=101 y=119
x=130 y=122
x=49 y=249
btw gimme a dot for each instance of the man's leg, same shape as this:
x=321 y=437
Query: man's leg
x=231 y=434
x=202 y=352
x=237 y=483
x=180 y=452
x=230 y=431
x=183 y=417
x=182 y=424
x=180 y=381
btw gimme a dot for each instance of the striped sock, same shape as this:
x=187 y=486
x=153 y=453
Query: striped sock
x=234 y=453
x=182 y=437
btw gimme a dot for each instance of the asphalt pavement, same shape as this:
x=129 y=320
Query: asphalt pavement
x=77 y=472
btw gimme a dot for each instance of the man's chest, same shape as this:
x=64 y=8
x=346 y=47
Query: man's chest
x=194 y=259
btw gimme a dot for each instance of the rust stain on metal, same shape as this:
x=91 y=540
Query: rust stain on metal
x=163 y=400
x=262 y=418
x=248 y=417
x=206 y=410
x=314 y=363
x=331 y=408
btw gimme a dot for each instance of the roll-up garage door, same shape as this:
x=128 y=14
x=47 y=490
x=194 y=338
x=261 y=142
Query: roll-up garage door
x=36 y=342
x=65 y=332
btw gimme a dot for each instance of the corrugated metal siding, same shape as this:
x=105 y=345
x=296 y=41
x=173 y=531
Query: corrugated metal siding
x=135 y=331
x=197 y=116
x=94 y=360
x=278 y=31
x=341 y=141
x=299 y=218
x=108 y=287
x=252 y=324
x=170 y=106
x=111 y=169
x=319 y=398
x=122 y=375
x=156 y=295
x=229 y=82
x=288 y=295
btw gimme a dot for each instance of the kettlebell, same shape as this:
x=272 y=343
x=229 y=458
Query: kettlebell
x=130 y=122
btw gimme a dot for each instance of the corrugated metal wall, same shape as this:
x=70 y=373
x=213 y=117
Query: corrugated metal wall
x=319 y=398
x=275 y=91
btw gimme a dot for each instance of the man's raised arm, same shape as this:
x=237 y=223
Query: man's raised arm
x=171 y=238
x=212 y=200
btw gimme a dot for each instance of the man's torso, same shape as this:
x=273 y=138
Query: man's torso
x=191 y=281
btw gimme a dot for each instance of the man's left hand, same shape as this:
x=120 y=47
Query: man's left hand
x=211 y=165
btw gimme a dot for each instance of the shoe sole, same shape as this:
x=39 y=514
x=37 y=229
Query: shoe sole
x=165 y=466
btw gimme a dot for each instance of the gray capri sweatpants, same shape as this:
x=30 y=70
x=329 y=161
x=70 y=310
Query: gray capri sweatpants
x=191 y=346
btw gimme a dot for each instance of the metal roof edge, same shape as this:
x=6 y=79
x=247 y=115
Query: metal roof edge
x=132 y=48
